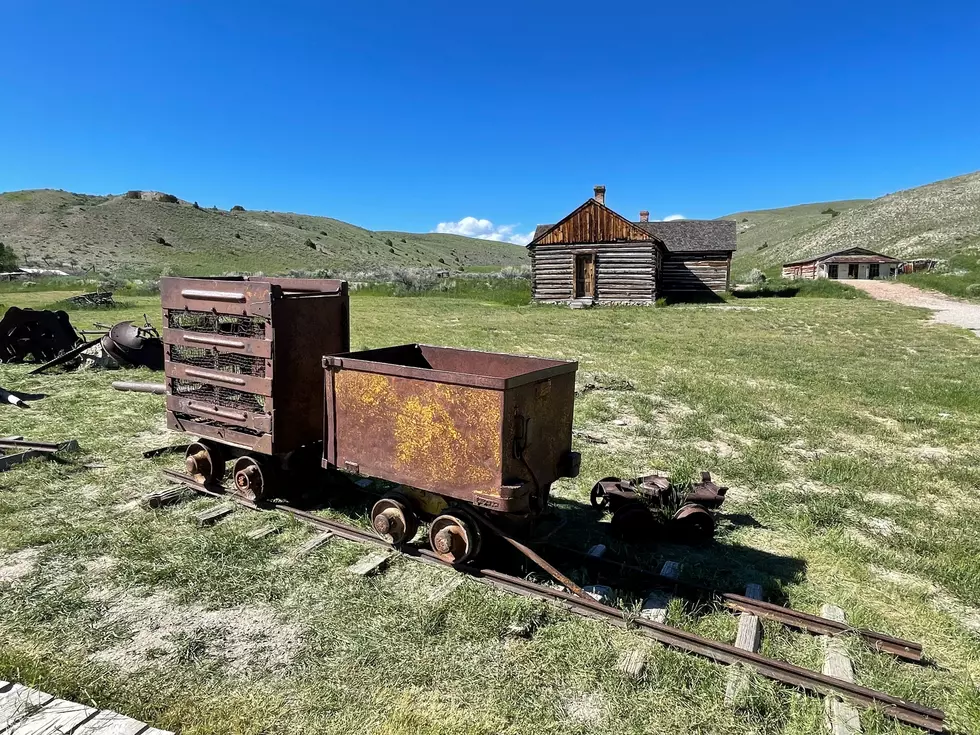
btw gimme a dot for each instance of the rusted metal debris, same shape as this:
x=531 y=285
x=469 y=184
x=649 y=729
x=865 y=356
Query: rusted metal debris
x=18 y=398
x=123 y=385
x=100 y=298
x=127 y=344
x=34 y=335
x=16 y=451
x=652 y=507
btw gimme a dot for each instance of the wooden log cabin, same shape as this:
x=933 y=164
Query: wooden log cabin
x=595 y=255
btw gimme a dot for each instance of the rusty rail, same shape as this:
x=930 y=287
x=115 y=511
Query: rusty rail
x=813 y=682
x=814 y=624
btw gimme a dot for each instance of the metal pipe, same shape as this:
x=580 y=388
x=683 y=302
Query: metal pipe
x=159 y=388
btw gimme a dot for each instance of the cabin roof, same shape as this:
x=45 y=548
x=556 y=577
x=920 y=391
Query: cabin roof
x=847 y=255
x=682 y=235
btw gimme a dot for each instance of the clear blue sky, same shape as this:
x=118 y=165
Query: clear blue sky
x=401 y=115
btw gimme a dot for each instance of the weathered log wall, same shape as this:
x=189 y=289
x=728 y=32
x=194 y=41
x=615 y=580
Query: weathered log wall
x=695 y=272
x=625 y=272
x=807 y=270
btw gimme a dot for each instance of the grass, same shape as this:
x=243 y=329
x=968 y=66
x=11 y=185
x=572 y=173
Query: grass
x=848 y=437
x=822 y=288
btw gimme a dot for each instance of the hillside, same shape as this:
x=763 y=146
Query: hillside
x=116 y=234
x=939 y=220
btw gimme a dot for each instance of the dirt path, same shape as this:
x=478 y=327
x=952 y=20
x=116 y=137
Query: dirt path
x=946 y=310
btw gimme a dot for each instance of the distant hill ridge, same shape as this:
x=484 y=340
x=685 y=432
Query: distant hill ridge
x=940 y=220
x=142 y=233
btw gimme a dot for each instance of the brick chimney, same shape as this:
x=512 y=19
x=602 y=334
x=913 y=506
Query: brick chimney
x=600 y=194
x=644 y=216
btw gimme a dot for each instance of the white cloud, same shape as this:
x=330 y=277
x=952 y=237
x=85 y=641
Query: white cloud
x=672 y=217
x=484 y=229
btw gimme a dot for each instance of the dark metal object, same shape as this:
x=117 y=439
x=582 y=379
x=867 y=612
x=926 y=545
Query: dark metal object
x=65 y=356
x=13 y=399
x=489 y=429
x=149 y=453
x=909 y=712
x=159 y=388
x=39 y=335
x=242 y=357
x=641 y=507
x=131 y=345
x=30 y=450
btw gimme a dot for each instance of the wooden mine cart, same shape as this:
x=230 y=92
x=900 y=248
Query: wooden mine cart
x=243 y=366
x=455 y=428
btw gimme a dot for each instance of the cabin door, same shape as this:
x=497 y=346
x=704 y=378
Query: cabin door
x=585 y=275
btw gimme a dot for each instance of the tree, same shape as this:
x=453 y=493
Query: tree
x=8 y=258
x=238 y=208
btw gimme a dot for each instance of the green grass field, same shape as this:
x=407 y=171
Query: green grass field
x=847 y=432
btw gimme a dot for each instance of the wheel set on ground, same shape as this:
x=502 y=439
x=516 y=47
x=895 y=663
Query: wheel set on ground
x=651 y=508
x=454 y=537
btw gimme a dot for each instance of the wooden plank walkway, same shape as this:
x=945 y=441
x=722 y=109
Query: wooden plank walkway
x=27 y=711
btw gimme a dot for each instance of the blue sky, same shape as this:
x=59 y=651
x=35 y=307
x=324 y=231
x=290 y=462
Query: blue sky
x=397 y=115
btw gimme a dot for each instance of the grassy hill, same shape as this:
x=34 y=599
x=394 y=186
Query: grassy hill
x=940 y=220
x=117 y=234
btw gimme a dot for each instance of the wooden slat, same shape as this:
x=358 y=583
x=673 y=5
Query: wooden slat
x=57 y=716
x=212 y=515
x=18 y=702
x=108 y=722
x=748 y=638
x=842 y=717
x=370 y=563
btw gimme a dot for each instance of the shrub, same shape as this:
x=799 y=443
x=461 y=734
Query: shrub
x=404 y=240
x=831 y=211
x=169 y=199
x=661 y=302
x=323 y=232
x=133 y=194
x=391 y=250
x=442 y=260
x=310 y=244
x=238 y=208
x=238 y=236
x=388 y=242
x=8 y=258
x=160 y=240
x=755 y=276
x=764 y=245
x=196 y=205
x=973 y=289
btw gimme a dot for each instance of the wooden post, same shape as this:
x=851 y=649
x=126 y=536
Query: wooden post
x=842 y=716
x=748 y=638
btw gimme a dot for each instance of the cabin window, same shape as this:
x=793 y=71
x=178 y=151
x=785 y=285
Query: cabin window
x=832 y=270
x=873 y=271
x=852 y=270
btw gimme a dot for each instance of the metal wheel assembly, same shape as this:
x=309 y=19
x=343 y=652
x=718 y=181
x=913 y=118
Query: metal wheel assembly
x=454 y=538
x=598 y=496
x=393 y=519
x=252 y=478
x=693 y=524
x=635 y=521
x=205 y=462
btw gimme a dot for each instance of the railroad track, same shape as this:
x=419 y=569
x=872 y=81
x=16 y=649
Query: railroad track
x=810 y=681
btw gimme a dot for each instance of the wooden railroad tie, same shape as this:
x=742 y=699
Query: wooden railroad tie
x=311 y=544
x=748 y=638
x=634 y=662
x=263 y=532
x=842 y=717
x=370 y=563
x=213 y=515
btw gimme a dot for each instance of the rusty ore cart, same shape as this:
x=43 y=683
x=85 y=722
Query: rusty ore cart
x=456 y=429
x=242 y=366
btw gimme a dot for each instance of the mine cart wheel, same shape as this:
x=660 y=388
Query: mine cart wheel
x=455 y=538
x=393 y=520
x=636 y=522
x=598 y=495
x=252 y=478
x=692 y=524
x=205 y=462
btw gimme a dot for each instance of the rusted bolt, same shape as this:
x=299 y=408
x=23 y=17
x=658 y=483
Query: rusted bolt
x=444 y=541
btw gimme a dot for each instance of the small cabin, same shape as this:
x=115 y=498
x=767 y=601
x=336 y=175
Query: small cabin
x=595 y=255
x=843 y=265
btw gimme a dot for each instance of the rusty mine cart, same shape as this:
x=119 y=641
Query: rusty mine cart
x=259 y=371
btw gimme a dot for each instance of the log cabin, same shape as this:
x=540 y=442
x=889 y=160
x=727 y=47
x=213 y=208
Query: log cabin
x=847 y=264
x=597 y=256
